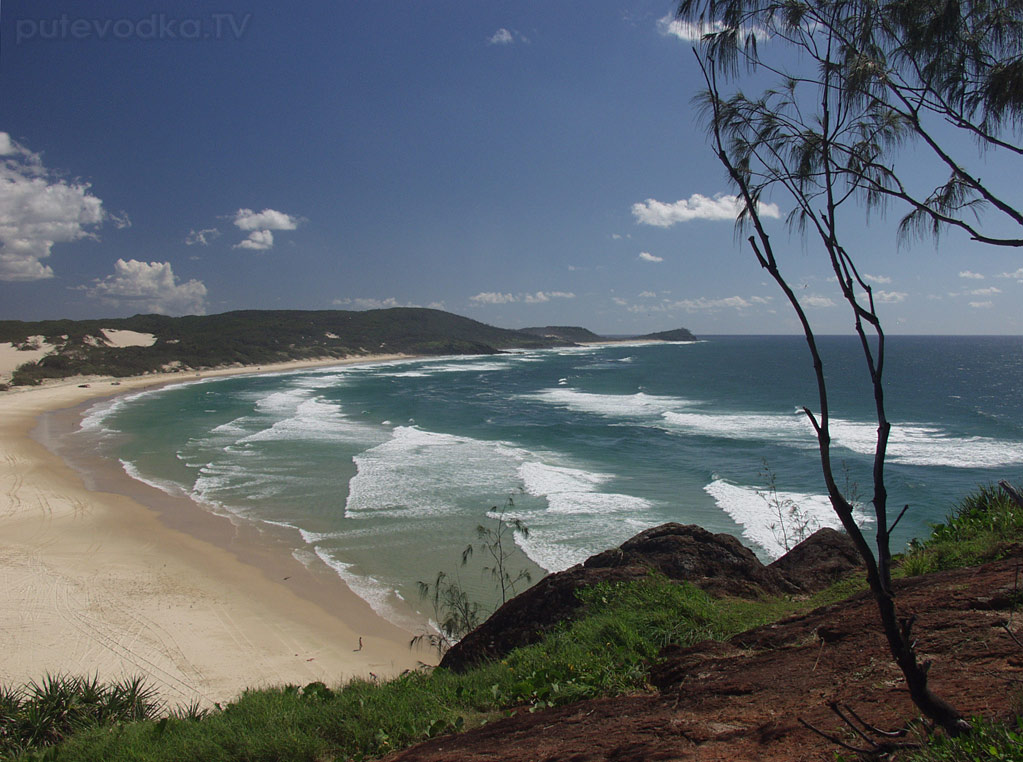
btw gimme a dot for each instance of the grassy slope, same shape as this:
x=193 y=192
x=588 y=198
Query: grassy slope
x=605 y=652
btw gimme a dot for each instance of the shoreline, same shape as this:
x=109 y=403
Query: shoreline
x=103 y=574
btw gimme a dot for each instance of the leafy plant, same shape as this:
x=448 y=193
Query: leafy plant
x=497 y=542
x=790 y=523
x=982 y=527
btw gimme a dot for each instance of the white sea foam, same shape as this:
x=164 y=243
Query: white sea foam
x=638 y=405
x=381 y=597
x=167 y=487
x=755 y=510
x=316 y=420
x=909 y=444
x=418 y=473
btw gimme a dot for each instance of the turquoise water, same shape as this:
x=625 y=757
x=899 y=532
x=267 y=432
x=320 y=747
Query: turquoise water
x=384 y=471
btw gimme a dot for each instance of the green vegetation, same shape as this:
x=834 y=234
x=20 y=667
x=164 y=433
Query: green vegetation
x=606 y=651
x=982 y=527
x=985 y=743
x=43 y=714
x=254 y=337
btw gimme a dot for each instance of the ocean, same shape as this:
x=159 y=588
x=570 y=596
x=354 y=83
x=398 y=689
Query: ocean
x=382 y=472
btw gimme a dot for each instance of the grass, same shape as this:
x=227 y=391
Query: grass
x=606 y=651
x=982 y=527
x=986 y=743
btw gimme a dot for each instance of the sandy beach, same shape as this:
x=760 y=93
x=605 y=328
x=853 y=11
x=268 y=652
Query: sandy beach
x=120 y=579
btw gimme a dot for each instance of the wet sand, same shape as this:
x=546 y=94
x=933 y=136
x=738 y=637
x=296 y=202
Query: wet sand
x=101 y=574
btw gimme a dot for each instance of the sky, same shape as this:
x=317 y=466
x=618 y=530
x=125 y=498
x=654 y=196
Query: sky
x=523 y=163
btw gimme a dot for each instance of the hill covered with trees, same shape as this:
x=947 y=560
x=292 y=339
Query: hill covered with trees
x=255 y=337
x=252 y=337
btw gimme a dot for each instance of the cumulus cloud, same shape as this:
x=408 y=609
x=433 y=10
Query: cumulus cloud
x=1018 y=275
x=696 y=207
x=982 y=305
x=669 y=26
x=39 y=209
x=492 y=297
x=150 y=287
x=890 y=297
x=496 y=297
x=201 y=237
x=814 y=300
x=647 y=295
x=879 y=279
x=971 y=275
x=366 y=303
x=646 y=256
x=986 y=291
x=260 y=224
x=258 y=240
x=501 y=37
x=268 y=219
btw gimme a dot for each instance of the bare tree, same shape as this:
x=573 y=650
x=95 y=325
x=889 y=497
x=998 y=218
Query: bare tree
x=823 y=142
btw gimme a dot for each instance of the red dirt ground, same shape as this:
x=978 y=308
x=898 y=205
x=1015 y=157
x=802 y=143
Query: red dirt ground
x=743 y=700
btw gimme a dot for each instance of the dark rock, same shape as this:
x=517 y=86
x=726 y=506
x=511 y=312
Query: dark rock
x=820 y=560
x=717 y=563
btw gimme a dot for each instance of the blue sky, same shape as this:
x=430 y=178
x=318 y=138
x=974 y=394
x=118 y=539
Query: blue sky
x=522 y=163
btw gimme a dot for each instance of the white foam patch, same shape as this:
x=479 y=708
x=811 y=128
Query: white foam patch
x=379 y=596
x=167 y=487
x=555 y=543
x=908 y=444
x=315 y=420
x=419 y=473
x=755 y=510
x=638 y=405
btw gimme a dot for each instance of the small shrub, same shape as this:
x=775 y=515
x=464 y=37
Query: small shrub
x=981 y=528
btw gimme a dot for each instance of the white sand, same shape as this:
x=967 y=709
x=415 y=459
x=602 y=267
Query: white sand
x=94 y=582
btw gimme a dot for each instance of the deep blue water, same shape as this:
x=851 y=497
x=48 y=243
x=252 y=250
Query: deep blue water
x=385 y=470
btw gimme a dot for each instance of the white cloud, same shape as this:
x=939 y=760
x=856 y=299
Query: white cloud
x=366 y=303
x=619 y=301
x=761 y=299
x=890 y=297
x=150 y=287
x=669 y=26
x=539 y=297
x=971 y=275
x=814 y=300
x=1018 y=275
x=38 y=210
x=646 y=256
x=647 y=295
x=258 y=240
x=982 y=305
x=201 y=237
x=492 y=297
x=696 y=207
x=260 y=225
x=989 y=291
x=268 y=219
x=880 y=279
x=501 y=37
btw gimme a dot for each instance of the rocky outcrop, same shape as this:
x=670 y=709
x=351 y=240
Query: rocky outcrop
x=819 y=561
x=717 y=563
